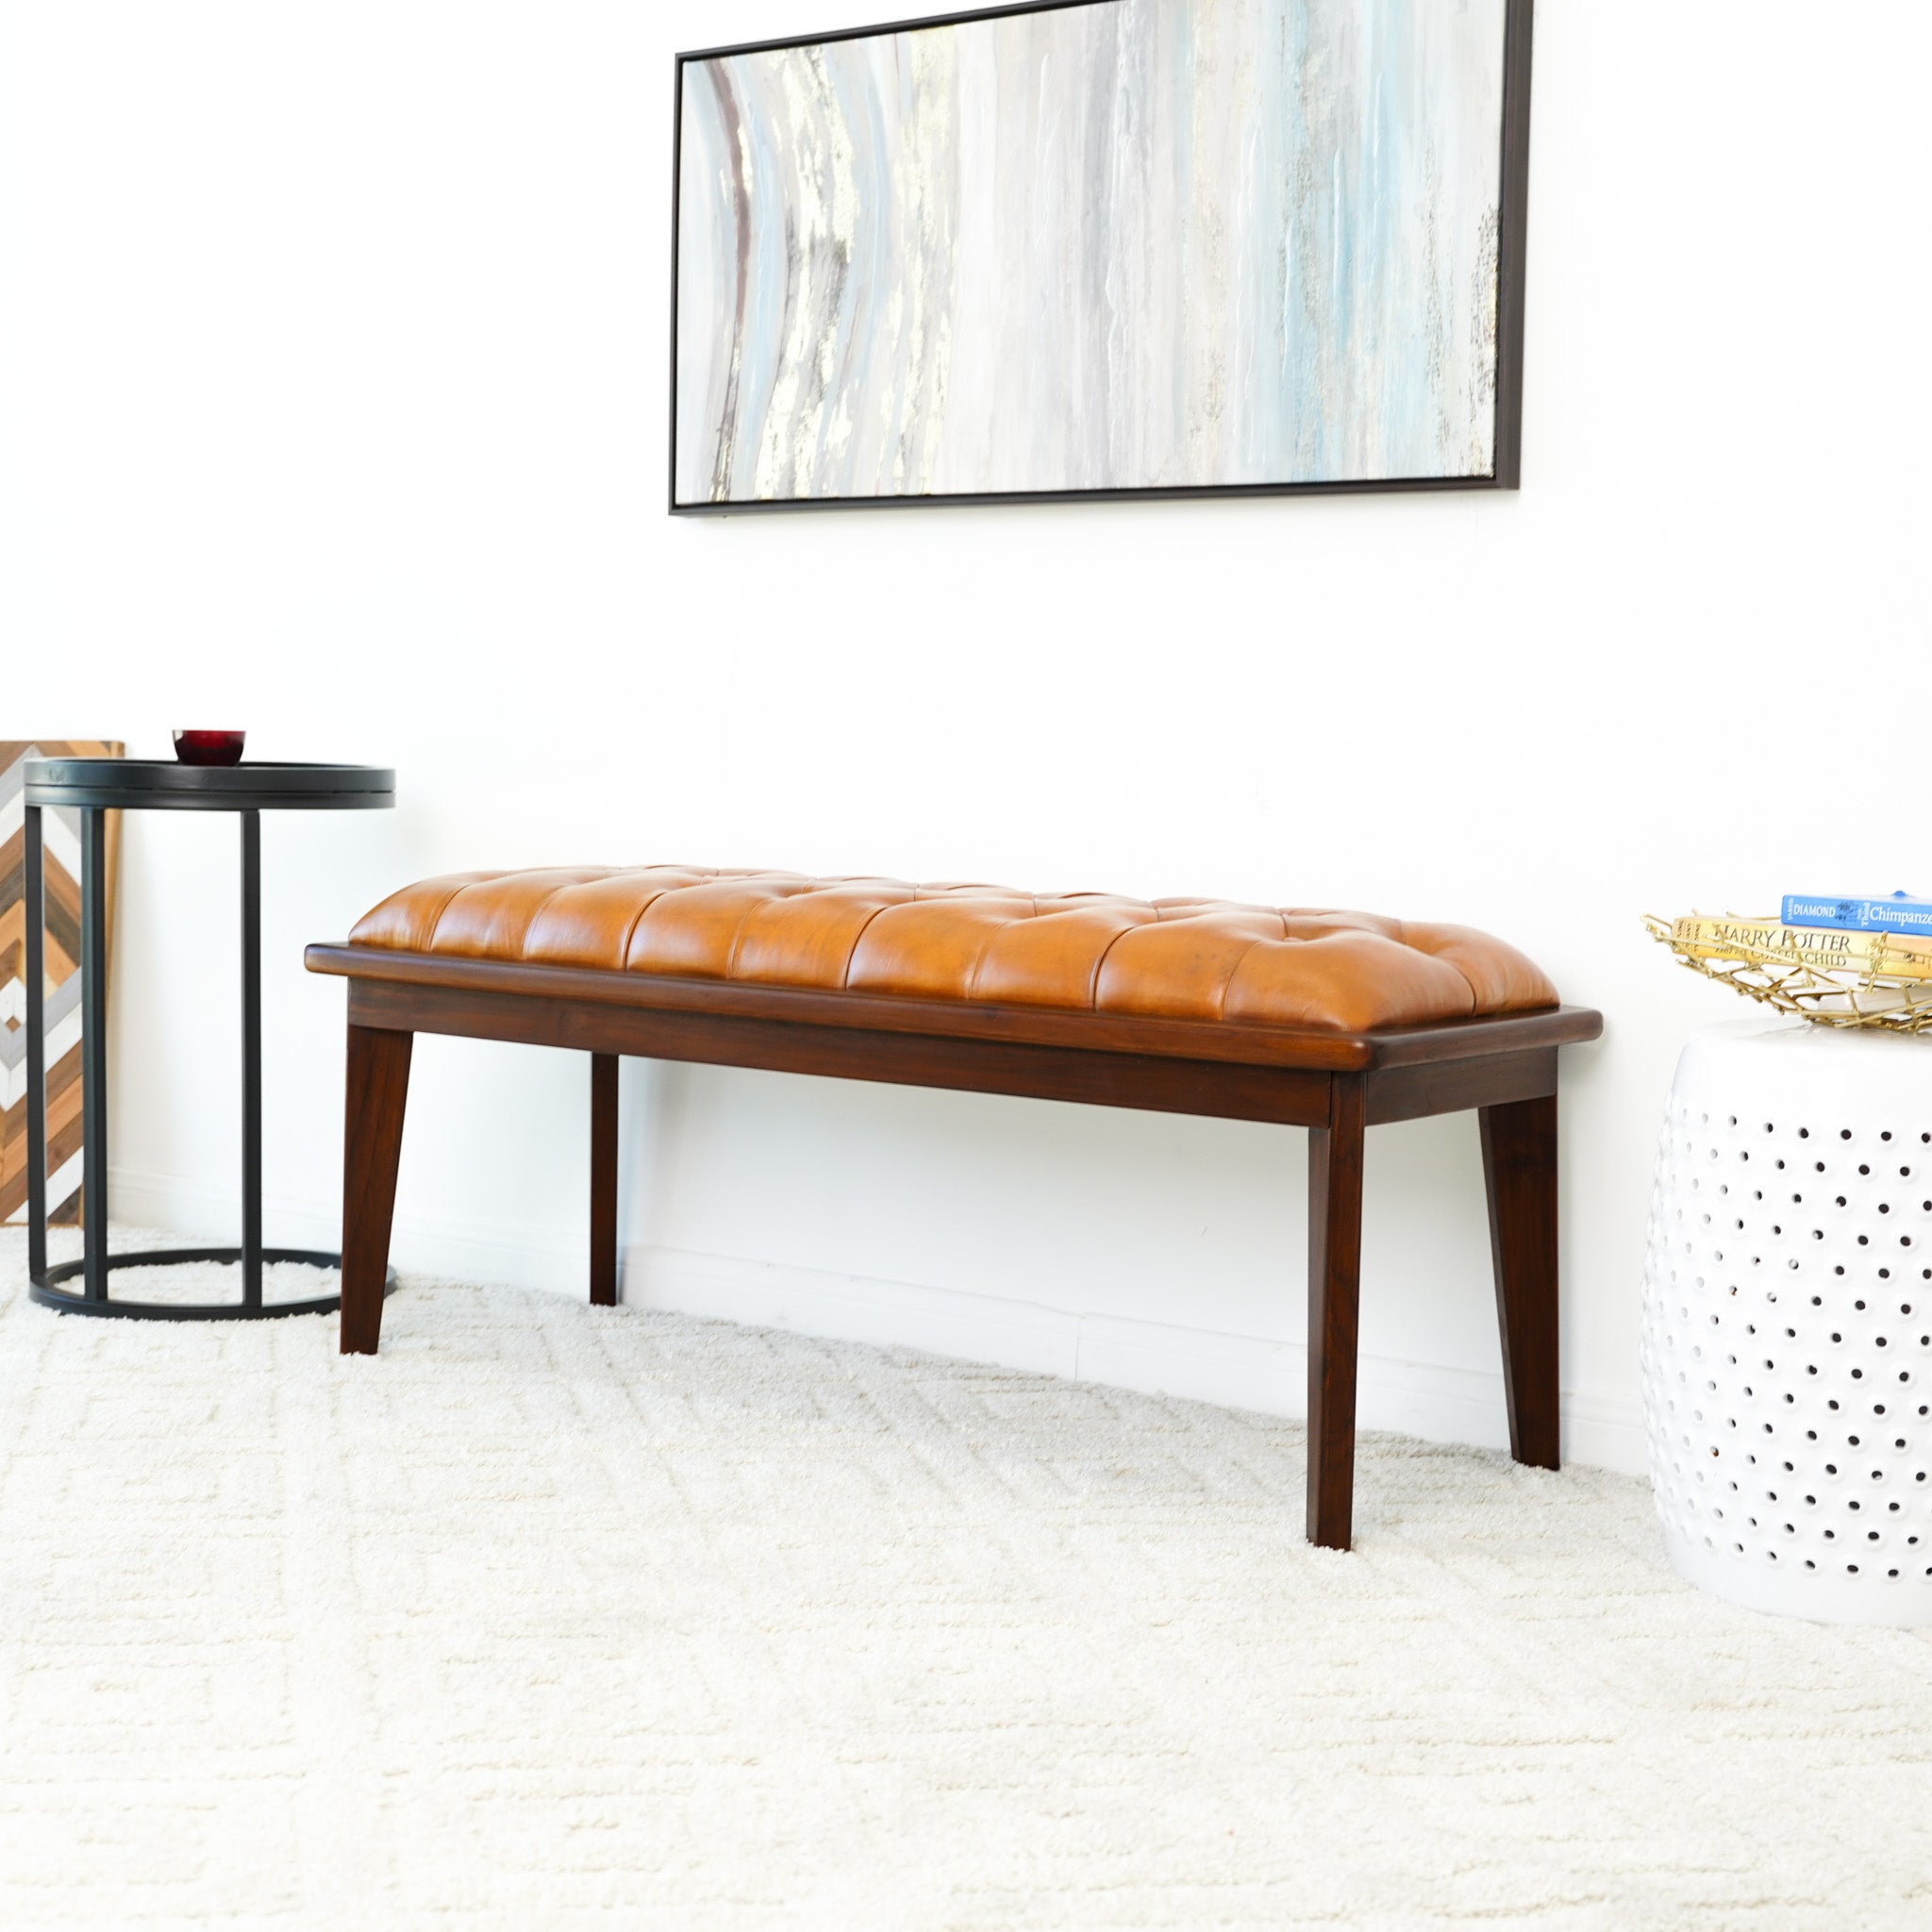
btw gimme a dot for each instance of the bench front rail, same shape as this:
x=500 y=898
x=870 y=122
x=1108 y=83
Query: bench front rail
x=1335 y=1084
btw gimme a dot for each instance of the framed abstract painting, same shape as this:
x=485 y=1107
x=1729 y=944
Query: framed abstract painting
x=1100 y=248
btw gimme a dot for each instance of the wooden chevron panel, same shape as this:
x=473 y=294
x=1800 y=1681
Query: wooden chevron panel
x=62 y=956
x=63 y=1142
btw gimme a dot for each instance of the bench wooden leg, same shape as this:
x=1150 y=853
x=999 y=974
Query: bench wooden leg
x=373 y=1145
x=1519 y=1171
x=1335 y=1260
x=604 y=1180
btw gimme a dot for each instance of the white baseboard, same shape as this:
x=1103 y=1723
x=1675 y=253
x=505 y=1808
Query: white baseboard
x=501 y=1253
x=1440 y=1405
x=1426 y=1399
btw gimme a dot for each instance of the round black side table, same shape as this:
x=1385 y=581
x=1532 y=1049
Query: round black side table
x=95 y=787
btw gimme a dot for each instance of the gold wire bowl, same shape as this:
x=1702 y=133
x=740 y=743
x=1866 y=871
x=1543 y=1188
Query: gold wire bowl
x=1850 y=995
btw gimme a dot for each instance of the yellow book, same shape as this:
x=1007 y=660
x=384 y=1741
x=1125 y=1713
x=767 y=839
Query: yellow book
x=1821 y=948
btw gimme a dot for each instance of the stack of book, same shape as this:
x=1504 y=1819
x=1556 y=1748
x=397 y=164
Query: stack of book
x=1846 y=962
x=1848 y=938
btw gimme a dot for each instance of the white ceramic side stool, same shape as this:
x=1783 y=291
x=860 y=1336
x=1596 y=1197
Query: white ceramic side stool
x=1788 y=1322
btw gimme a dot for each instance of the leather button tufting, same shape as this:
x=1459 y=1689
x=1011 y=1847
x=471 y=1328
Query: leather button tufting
x=1172 y=958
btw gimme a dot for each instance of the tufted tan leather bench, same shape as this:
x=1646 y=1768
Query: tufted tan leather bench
x=1329 y=1021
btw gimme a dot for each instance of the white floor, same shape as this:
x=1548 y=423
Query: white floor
x=553 y=1617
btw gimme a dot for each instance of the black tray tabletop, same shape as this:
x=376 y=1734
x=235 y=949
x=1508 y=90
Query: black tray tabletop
x=164 y=785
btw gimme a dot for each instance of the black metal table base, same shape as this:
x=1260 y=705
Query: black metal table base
x=46 y=1288
x=92 y=787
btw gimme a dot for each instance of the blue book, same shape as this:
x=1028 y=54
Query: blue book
x=1899 y=913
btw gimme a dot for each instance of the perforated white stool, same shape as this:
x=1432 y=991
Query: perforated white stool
x=1788 y=1322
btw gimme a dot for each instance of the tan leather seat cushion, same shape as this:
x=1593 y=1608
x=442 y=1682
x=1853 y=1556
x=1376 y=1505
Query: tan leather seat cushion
x=1172 y=958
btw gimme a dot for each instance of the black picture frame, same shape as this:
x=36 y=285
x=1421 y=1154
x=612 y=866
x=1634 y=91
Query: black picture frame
x=1511 y=287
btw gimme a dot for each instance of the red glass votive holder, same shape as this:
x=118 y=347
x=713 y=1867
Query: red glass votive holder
x=208 y=747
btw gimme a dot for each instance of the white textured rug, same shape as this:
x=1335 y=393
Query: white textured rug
x=553 y=1617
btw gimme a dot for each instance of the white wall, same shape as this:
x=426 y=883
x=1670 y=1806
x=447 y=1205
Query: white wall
x=332 y=384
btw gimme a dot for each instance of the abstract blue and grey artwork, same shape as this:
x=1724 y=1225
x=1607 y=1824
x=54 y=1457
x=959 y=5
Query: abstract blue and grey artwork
x=1132 y=244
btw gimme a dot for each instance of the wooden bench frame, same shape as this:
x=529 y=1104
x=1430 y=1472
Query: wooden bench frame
x=1337 y=1085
